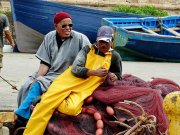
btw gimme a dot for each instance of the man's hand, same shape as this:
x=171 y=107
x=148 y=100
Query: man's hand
x=12 y=45
x=113 y=77
x=101 y=72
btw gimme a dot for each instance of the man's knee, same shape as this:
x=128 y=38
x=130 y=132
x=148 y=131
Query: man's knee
x=70 y=109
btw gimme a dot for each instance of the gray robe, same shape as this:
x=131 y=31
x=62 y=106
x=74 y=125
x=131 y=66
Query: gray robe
x=59 y=59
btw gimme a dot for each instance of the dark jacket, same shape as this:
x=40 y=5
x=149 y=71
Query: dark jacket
x=79 y=69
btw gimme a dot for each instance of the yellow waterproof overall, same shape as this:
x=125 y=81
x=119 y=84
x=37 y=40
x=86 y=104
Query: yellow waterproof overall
x=67 y=94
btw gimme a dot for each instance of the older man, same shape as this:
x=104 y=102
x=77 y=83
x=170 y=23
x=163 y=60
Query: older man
x=56 y=53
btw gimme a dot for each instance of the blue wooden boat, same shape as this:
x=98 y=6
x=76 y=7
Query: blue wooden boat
x=153 y=38
x=34 y=18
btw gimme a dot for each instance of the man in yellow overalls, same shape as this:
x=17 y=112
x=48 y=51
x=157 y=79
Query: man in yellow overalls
x=68 y=91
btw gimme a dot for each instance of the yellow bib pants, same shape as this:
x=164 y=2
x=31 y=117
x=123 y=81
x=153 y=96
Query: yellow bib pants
x=67 y=94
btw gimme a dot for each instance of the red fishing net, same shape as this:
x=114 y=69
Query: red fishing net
x=147 y=94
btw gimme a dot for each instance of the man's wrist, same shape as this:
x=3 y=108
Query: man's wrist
x=12 y=45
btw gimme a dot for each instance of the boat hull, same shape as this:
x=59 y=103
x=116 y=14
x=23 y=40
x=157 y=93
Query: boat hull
x=134 y=38
x=36 y=17
x=152 y=47
x=27 y=39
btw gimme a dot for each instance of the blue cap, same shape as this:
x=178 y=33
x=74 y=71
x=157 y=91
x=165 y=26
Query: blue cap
x=105 y=33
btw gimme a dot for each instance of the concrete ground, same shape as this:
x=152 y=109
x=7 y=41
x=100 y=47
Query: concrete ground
x=17 y=66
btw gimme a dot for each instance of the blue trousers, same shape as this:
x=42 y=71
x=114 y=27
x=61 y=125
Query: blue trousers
x=24 y=109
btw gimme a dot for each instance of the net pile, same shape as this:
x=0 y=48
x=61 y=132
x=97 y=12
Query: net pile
x=147 y=94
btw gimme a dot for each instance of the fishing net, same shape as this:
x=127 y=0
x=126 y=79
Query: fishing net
x=149 y=95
